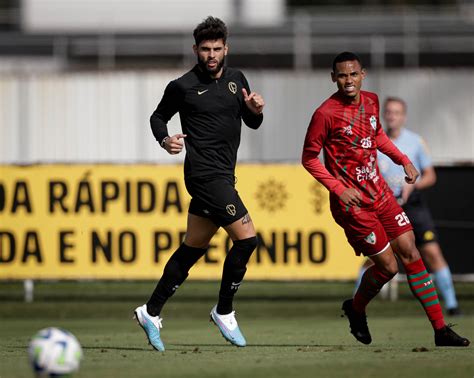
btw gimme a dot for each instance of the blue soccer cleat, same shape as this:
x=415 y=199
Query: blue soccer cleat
x=228 y=326
x=151 y=325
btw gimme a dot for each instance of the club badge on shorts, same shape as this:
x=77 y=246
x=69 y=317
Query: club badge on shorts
x=231 y=209
x=371 y=238
x=232 y=87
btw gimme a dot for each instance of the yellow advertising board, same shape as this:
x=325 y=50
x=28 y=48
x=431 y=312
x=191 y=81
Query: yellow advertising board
x=125 y=221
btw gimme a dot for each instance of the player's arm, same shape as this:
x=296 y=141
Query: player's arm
x=166 y=109
x=427 y=178
x=316 y=135
x=252 y=111
x=428 y=174
x=385 y=145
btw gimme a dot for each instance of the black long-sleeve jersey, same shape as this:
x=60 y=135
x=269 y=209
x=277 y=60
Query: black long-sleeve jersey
x=211 y=113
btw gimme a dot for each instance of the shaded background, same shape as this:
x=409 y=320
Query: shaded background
x=78 y=82
x=79 y=79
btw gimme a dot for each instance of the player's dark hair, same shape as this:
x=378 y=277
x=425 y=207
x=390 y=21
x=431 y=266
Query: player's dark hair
x=345 y=57
x=211 y=29
x=395 y=99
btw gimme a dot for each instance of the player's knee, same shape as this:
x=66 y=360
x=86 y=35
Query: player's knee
x=181 y=261
x=248 y=244
x=241 y=251
x=432 y=251
x=407 y=250
x=186 y=256
x=391 y=270
x=410 y=254
x=388 y=268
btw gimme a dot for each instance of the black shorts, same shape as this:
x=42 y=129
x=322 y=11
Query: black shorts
x=420 y=217
x=216 y=199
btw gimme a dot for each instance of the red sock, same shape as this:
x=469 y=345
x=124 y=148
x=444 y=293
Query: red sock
x=423 y=289
x=371 y=283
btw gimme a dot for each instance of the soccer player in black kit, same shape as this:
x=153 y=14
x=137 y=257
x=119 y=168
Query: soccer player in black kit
x=212 y=100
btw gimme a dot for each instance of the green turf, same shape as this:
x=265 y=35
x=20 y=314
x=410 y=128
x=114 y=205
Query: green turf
x=293 y=330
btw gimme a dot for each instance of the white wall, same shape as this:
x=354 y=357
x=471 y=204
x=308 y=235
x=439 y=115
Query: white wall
x=94 y=117
x=91 y=16
x=440 y=108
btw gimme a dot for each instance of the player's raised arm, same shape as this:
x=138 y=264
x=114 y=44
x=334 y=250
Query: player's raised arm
x=252 y=112
x=315 y=137
x=253 y=101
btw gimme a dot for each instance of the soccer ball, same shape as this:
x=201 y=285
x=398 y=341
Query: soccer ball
x=54 y=351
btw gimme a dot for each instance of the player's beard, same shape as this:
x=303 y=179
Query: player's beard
x=215 y=70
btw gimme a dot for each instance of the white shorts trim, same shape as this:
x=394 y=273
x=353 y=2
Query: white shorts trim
x=382 y=251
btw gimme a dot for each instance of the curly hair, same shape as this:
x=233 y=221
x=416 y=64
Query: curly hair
x=211 y=29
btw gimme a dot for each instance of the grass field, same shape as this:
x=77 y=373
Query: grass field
x=292 y=330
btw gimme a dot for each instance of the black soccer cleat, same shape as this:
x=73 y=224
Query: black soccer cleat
x=447 y=337
x=357 y=322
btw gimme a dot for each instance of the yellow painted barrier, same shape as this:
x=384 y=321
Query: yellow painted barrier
x=124 y=221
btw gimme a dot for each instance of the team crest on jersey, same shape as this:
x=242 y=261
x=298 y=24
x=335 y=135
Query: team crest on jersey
x=231 y=209
x=373 y=122
x=232 y=87
x=371 y=238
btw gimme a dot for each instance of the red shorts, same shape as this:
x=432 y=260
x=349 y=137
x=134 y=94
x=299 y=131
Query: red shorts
x=369 y=231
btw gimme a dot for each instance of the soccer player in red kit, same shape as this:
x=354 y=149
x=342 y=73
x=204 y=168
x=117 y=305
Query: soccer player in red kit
x=347 y=127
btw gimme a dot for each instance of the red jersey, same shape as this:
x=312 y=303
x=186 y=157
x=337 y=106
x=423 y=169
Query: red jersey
x=350 y=135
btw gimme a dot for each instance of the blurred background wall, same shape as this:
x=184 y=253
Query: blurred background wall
x=79 y=79
x=104 y=116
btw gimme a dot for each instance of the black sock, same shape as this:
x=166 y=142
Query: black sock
x=174 y=274
x=234 y=272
